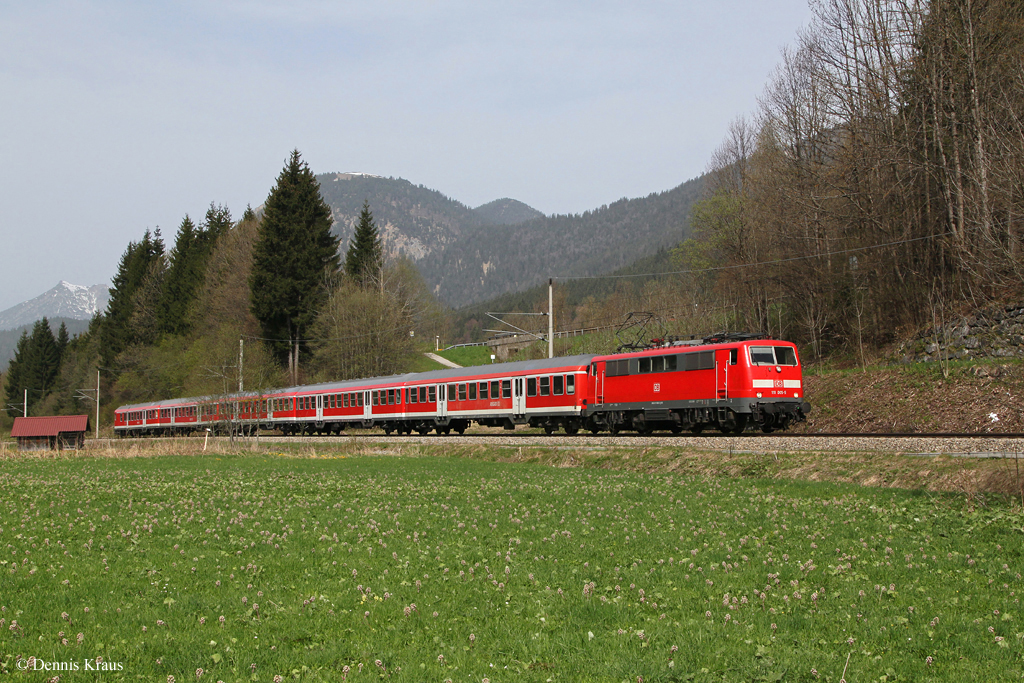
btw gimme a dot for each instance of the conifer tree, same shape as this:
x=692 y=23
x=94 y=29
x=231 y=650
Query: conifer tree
x=15 y=380
x=62 y=340
x=218 y=222
x=294 y=257
x=35 y=367
x=248 y=214
x=365 y=255
x=182 y=279
x=136 y=264
x=44 y=364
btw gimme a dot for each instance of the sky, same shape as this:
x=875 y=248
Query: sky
x=121 y=116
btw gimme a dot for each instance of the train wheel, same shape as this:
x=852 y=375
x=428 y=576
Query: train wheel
x=767 y=430
x=696 y=429
x=736 y=425
x=549 y=429
x=388 y=430
x=613 y=428
x=423 y=429
x=676 y=429
x=571 y=428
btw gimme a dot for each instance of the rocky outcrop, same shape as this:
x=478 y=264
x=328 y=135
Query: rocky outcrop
x=994 y=332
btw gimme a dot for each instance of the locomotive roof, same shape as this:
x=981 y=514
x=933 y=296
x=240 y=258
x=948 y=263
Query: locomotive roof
x=350 y=384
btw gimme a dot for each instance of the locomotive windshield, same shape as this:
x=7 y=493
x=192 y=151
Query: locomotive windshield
x=772 y=355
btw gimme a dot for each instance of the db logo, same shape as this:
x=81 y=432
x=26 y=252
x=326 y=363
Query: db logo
x=778 y=384
x=657 y=387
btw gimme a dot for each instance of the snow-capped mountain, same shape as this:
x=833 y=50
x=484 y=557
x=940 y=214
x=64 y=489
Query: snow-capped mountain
x=63 y=301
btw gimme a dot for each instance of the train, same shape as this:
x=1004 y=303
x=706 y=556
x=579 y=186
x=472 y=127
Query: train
x=730 y=383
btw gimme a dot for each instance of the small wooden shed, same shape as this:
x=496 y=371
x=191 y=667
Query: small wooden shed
x=58 y=432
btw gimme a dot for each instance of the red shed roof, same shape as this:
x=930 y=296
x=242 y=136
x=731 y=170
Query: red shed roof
x=49 y=426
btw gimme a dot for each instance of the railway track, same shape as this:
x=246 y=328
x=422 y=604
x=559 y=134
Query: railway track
x=970 y=444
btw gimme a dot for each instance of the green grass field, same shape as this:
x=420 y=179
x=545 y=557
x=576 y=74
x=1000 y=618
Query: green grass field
x=246 y=568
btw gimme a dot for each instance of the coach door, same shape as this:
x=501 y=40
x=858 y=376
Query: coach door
x=442 y=400
x=596 y=390
x=320 y=407
x=518 y=396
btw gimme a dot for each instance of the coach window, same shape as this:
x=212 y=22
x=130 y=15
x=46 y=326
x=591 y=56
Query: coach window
x=558 y=382
x=645 y=365
x=570 y=384
x=545 y=386
x=391 y=397
x=733 y=356
x=658 y=364
x=462 y=392
x=472 y=391
x=359 y=399
x=344 y=400
x=451 y=392
x=431 y=394
x=423 y=394
x=531 y=386
x=483 y=391
x=494 y=389
x=414 y=395
x=670 y=363
x=506 y=388
x=375 y=396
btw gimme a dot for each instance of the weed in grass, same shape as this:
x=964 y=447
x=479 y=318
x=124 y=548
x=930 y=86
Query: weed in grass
x=413 y=569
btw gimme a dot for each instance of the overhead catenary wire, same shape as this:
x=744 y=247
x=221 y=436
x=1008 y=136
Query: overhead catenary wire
x=754 y=265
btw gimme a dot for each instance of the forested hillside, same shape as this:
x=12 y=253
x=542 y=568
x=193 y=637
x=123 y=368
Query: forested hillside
x=880 y=185
x=470 y=255
x=506 y=211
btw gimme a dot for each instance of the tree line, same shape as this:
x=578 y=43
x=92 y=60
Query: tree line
x=276 y=281
x=879 y=185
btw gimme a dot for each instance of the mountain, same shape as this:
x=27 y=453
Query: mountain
x=413 y=220
x=66 y=300
x=472 y=255
x=506 y=211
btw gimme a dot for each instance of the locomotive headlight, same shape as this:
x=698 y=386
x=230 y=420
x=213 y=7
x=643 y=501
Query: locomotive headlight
x=796 y=394
x=759 y=394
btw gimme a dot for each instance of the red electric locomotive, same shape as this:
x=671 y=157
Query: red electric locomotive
x=729 y=383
